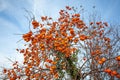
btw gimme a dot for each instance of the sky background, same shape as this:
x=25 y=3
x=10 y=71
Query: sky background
x=13 y=20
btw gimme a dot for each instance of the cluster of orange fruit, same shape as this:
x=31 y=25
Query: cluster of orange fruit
x=102 y=60
x=112 y=72
x=27 y=36
x=53 y=39
x=58 y=38
x=118 y=58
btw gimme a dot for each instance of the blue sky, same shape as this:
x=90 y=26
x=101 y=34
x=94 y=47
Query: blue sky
x=13 y=21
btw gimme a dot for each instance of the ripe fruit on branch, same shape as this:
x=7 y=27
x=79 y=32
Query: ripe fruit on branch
x=118 y=58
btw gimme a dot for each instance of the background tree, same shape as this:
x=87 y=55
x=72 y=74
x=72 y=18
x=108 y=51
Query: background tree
x=68 y=48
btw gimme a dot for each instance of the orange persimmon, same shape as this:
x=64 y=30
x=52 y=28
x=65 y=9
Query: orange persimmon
x=118 y=75
x=103 y=59
x=100 y=62
x=118 y=58
x=107 y=70
x=114 y=72
x=83 y=37
x=35 y=24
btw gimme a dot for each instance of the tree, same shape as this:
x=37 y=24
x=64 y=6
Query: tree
x=67 y=48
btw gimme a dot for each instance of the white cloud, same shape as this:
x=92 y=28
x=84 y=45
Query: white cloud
x=5 y=62
x=8 y=27
x=8 y=42
x=15 y=11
